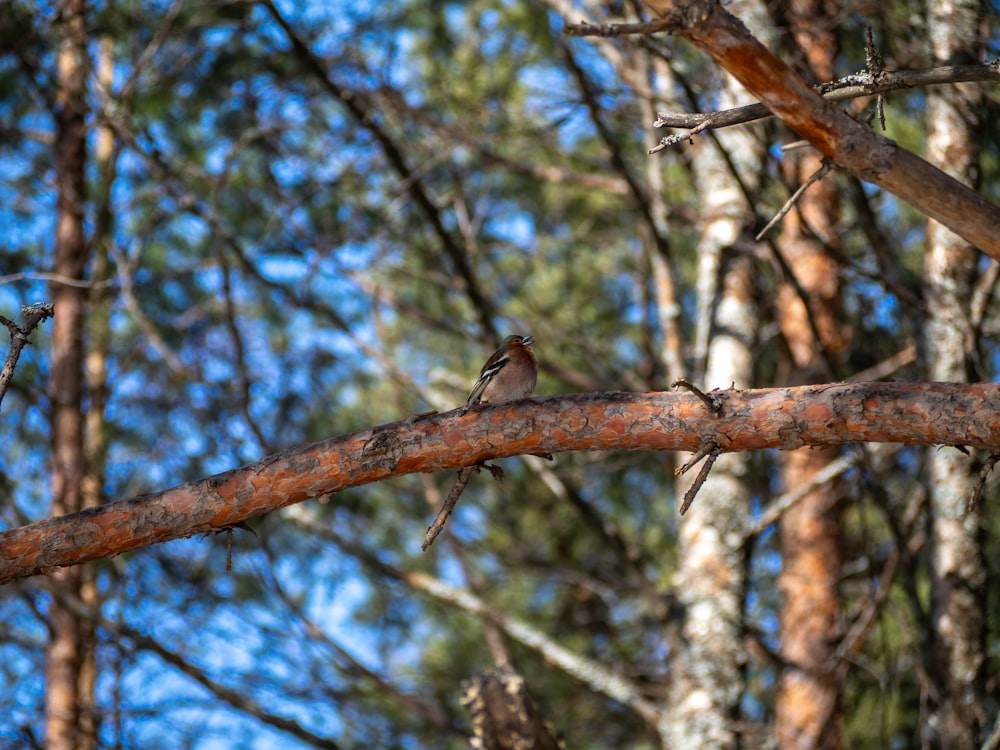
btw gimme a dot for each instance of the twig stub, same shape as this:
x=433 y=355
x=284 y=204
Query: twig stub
x=711 y=400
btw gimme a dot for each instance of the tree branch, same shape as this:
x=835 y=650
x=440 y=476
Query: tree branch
x=785 y=418
x=33 y=316
x=843 y=89
x=849 y=144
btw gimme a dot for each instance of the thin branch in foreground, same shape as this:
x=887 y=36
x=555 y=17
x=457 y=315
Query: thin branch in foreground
x=815 y=177
x=449 y=504
x=685 y=135
x=619 y=29
x=847 y=142
x=849 y=87
x=34 y=315
x=710 y=452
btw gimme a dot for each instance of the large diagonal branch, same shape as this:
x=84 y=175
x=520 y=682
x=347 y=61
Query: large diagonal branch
x=847 y=142
x=785 y=418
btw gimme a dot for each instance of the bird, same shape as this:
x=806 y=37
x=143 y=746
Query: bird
x=509 y=374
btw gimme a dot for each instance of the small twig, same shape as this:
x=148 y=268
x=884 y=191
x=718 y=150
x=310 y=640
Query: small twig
x=984 y=474
x=464 y=476
x=816 y=176
x=145 y=325
x=619 y=29
x=710 y=452
x=33 y=316
x=228 y=531
x=794 y=145
x=873 y=65
x=711 y=400
x=849 y=87
x=55 y=278
x=684 y=135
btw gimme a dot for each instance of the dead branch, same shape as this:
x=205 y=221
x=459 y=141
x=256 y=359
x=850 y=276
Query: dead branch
x=452 y=500
x=33 y=315
x=849 y=87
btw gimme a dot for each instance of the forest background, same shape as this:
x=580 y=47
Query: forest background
x=263 y=224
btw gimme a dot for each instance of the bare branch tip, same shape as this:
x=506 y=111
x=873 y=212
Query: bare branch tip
x=710 y=451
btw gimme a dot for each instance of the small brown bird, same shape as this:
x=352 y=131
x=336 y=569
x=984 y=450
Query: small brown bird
x=509 y=374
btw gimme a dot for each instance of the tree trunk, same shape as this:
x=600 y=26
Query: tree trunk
x=69 y=640
x=807 y=712
x=955 y=665
x=708 y=670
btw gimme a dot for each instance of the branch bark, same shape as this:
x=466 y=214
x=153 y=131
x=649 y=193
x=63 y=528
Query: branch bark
x=848 y=143
x=785 y=418
x=843 y=89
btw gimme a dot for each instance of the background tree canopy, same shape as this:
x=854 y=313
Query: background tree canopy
x=298 y=220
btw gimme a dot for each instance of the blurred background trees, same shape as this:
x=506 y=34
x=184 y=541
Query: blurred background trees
x=262 y=225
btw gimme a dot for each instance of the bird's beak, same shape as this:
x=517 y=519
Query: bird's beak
x=528 y=340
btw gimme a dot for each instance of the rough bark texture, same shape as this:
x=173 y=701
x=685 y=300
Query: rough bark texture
x=847 y=142
x=807 y=712
x=956 y=664
x=67 y=652
x=707 y=672
x=819 y=415
x=503 y=715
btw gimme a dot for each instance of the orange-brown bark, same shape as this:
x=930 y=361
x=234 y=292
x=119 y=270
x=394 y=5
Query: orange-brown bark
x=68 y=640
x=911 y=413
x=807 y=705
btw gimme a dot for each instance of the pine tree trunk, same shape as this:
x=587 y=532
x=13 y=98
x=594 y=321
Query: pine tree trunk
x=69 y=641
x=807 y=711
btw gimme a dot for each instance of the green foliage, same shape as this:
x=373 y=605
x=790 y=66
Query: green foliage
x=288 y=265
